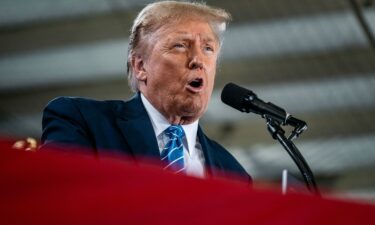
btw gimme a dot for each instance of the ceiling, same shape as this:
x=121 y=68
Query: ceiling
x=311 y=57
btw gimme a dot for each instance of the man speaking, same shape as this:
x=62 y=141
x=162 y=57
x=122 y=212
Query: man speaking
x=172 y=57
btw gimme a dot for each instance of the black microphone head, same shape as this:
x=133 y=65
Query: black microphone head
x=234 y=96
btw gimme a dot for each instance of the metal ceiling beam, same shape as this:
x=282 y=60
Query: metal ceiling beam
x=106 y=59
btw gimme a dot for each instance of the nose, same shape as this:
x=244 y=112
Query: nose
x=196 y=61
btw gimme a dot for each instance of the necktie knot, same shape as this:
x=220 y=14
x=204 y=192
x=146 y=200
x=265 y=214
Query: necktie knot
x=175 y=131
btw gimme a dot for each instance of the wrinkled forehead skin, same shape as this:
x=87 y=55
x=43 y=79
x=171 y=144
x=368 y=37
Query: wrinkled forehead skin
x=173 y=24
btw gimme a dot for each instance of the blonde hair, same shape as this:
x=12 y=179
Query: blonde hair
x=156 y=15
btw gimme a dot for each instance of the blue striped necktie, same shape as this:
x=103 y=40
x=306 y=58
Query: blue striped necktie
x=173 y=154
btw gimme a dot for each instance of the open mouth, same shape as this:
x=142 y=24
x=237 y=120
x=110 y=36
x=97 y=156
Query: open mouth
x=196 y=83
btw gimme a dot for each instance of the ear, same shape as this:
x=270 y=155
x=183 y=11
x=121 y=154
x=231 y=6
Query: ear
x=138 y=64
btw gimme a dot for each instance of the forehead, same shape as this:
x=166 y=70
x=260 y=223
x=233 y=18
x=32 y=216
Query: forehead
x=186 y=29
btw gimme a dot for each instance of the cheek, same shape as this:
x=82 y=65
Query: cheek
x=211 y=68
x=211 y=76
x=211 y=81
x=172 y=65
x=158 y=72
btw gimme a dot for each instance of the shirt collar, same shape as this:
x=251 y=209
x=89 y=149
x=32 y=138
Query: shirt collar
x=160 y=123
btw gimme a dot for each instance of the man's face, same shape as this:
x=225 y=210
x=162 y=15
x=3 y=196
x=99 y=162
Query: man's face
x=178 y=70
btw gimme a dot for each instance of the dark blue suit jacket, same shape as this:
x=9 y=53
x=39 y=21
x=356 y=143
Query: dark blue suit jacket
x=121 y=127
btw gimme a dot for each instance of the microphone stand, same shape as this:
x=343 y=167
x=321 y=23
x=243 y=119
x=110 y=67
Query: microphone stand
x=277 y=133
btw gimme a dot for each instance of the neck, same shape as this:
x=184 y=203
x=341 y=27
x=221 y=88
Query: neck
x=171 y=118
x=181 y=120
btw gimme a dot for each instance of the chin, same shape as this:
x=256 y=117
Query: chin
x=189 y=106
x=193 y=110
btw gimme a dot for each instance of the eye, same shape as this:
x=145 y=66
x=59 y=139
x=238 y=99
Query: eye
x=179 y=45
x=209 y=48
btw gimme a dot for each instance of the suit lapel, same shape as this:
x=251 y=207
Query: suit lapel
x=136 y=127
x=211 y=162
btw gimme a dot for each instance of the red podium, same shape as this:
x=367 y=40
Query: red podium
x=49 y=187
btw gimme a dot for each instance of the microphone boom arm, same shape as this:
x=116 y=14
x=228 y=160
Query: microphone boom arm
x=245 y=100
x=277 y=133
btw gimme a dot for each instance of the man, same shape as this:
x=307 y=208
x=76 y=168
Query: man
x=173 y=51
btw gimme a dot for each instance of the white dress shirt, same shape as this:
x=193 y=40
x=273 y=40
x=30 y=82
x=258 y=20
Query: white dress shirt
x=193 y=155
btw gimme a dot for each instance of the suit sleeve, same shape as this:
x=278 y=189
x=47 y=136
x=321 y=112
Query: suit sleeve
x=63 y=123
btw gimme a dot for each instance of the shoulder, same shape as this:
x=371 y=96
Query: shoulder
x=76 y=120
x=77 y=110
x=69 y=105
x=77 y=102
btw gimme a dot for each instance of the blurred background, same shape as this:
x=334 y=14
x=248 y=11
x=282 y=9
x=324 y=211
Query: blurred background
x=315 y=58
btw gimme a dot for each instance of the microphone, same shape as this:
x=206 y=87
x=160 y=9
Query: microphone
x=247 y=101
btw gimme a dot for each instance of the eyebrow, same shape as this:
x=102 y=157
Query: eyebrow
x=205 y=37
